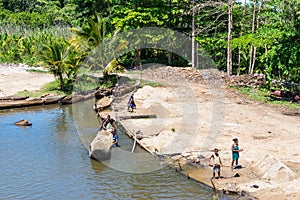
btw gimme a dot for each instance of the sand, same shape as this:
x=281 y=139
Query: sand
x=15 y=78
x=208 y=116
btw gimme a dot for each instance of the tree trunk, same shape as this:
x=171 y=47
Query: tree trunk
x=169 y=40
x=108 y=8
x=253 y=29
x=138 y=57
x=61 y=80
x=193 y=35
x=242 y=29
x=257 y=25
x=229 y=51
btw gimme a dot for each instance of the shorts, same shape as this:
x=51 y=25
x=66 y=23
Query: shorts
x=217 y=168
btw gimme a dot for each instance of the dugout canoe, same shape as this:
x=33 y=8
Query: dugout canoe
x=6 y=104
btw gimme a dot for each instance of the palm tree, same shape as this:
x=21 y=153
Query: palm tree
x=54 y=57
x=92 y=41
x=89 y=36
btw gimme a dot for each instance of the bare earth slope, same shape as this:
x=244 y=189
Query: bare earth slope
x=195 y=117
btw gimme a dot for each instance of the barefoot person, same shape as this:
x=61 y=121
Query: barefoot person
x=235 y=152
x=217 y=163
x=131 y=104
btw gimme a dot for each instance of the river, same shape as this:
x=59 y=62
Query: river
x=49 y=160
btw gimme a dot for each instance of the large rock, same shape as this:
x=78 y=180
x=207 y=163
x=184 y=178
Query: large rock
x=100 y=147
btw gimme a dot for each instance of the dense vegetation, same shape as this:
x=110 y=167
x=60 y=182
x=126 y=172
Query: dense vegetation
x=59 y=34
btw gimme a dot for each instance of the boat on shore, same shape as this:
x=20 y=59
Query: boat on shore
x=76 y=98
x=6 y=104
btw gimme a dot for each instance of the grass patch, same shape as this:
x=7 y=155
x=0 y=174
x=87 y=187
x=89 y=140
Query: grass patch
x=52 y=88
x=151 y=83
x=126 y=80
x=83 y=84
x=262 y=95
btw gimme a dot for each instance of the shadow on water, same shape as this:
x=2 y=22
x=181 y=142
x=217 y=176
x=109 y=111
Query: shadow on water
x=97 y=166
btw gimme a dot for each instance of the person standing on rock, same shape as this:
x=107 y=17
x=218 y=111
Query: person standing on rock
x=115 y=138
x=217 y=163
x=235 y=152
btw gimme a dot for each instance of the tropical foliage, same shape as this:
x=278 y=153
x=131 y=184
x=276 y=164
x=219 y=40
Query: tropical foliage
x=62 y=33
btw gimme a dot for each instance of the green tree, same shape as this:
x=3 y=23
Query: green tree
x=94 y=41
x=54 y=58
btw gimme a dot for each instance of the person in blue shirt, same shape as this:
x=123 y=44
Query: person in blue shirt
x=115 y=138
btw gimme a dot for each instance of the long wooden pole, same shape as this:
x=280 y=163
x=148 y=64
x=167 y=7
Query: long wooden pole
x=134 y=143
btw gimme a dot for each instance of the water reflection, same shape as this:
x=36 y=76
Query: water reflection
x=97 y=166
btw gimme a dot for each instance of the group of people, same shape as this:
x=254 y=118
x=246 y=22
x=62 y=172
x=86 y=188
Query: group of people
x=217 y=163
x=107 y=124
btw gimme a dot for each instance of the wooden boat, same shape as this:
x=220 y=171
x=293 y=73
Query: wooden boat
x=31 y=102
x=23 y=122
x=100 y=93
x=13 y=98
x=76 y=98
x=102 y=103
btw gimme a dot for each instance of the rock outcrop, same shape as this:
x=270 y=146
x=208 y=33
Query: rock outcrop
x=100 y=147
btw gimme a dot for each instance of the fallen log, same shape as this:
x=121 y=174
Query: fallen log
x=137 y=117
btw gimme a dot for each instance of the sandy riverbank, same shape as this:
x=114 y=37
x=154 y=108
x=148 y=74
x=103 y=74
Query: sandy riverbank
x=15 y=78
x=193 y=118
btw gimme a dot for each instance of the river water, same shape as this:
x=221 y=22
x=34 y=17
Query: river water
x=49 y=160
